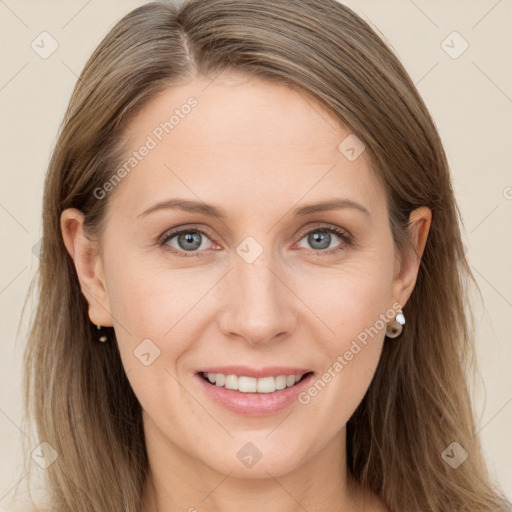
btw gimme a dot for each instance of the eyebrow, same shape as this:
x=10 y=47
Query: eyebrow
x=210 y=210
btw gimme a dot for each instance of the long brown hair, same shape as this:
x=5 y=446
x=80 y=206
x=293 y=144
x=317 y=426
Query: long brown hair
x=418 y=402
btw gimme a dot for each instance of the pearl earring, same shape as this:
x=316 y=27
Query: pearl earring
x=102 y=338
x=394 y=329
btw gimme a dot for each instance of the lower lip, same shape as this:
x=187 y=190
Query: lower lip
x=254 y=404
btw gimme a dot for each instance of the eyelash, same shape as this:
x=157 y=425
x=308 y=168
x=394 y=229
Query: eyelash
x=346 y=238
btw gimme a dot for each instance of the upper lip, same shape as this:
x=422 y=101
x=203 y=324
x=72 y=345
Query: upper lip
x=269 y=371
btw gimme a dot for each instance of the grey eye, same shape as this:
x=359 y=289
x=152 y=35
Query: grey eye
x=190 y=240
x=320 y=238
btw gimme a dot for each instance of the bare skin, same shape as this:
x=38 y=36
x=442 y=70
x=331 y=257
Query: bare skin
x=257 y=151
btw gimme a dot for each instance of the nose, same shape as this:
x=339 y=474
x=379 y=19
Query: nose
x=259 y=308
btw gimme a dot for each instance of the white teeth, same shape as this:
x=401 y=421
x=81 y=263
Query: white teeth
x=248 y=384
x=266 y=385
x=252 y=385
x=281 y=382
x=231 y=382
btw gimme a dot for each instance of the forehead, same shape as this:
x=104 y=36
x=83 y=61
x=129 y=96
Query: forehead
x=239 y=139
x=240 y=112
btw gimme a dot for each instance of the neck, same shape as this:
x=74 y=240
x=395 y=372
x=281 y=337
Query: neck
x=177 y=482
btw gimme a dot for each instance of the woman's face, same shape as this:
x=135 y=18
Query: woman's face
x=262 y=284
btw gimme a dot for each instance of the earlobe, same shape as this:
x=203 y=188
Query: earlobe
x=419 y=226
x=89 y=268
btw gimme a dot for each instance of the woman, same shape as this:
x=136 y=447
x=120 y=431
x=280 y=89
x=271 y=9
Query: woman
x=252 y=285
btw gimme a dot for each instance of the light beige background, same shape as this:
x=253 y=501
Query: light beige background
x=470 y=98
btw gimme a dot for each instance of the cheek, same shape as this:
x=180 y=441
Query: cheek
x=151 y=299
x=167 y=306
x=348 y=299
x=354 y=306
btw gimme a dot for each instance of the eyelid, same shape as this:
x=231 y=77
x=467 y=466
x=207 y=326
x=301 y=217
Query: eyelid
x=346 y=237
x=171 y=233
x=324 y=226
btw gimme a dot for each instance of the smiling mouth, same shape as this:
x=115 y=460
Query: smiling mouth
x=245 y=384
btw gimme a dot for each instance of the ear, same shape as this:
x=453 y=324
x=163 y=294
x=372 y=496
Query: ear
x=405 y=277
x=89 y=268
